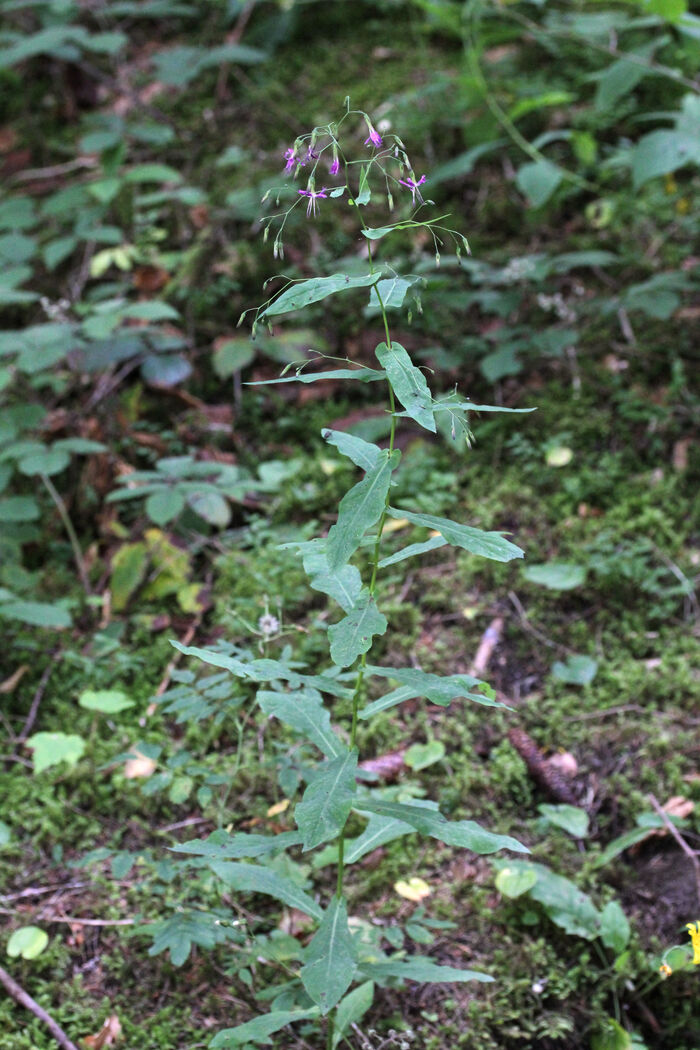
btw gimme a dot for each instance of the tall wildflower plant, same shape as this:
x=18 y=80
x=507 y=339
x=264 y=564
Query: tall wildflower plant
x=331 y=978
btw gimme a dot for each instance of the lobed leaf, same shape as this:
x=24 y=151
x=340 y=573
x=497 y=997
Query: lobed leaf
x=304 y=711
x=352 y=635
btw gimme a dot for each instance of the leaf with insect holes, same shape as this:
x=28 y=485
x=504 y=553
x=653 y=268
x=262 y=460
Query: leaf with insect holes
x=352 y=635
x=486 y=544
x=330 y=958
x=359 y=509
x=304 y=711
x=408 y=383
x=313 y=291
x=327 y=801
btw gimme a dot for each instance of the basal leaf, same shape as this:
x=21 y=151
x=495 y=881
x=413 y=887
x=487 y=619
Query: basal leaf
x=304 y=711
x=327 y=801
x=423 y=970
x=258 y=1030
x=359 y=509
x=408 y=383
x=352 y=635
x=486 y=544
x=362 y=453
x=51 y=748
x=329 y=959
x=313 y=291
x=464 y=833
x=254 y=878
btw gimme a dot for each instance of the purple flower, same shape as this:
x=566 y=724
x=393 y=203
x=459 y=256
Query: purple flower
x=293 y=162
x=335 y=167
x=374 y=138
x=313 y=196
x=411 y=184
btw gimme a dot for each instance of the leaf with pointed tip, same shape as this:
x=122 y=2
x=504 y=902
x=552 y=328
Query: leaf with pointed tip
x=359 y=509
x=423 y=970
x=487 y=544
x=303 y=293
x=327 y=801
x=363 y=453
x=352 y=635
x=465 y=833
x=378 y=832
x=438 y=689
x=258 y=1030
x=411 y=551
x=350 y=1009
x=365 y=375
x=303 y=710
x=254 y=878
x=344 y=585
x=408 y=383
x=221 y=845
x=391 y=291
x=329 y=959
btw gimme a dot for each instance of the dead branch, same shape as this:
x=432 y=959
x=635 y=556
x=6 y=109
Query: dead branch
x=24 y=999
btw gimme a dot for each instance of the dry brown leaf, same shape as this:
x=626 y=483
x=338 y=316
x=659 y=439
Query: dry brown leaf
x=678 y=807
x=138 y=766
x=679 y=457
x=386 y=767
x=108 y=1034
x=150 y=278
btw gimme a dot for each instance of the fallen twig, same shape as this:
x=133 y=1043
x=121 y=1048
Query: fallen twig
x=37 y=698
x=489 y=640
x=673 y=830
x=24 y=999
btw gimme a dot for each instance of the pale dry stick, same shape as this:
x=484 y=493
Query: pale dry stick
x=692 y=854
x=24 y=999
x=37 y=698
x=489 y=640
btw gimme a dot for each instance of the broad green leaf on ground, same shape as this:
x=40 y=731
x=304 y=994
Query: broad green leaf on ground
x=412 y=550
x=614 y=927
x=486 y=544
x=344 y=585
x=164 y=505
x=561 y=899
x=576 y=670
x=313 y=291
x=420 y=756
x=351 y=1008
x=27 y=941
x=258 y=1030
x=254 y=878
x=437 y=689
x=107 y=701
x=423 y=970
x=19 y=508
x=352 y=635
x=51 y=748
x=647 y=823
x=36 y=614
x=623 y=75
x=359 y=509
x=408 y=383
x=327 y=801
x=304 y=711
x=222 y=845
x=329 y=959
x=572 y=819
x=5 y=833
x=556 y=575
x=365 y=375
x=231 y=355
x=464 y=833
x=513 y=882
x=538 y=180
x=362 y=453
x=665 y=151
x=49 y=461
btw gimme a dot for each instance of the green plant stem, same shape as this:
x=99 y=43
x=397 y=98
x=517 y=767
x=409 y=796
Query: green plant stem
x=72 y=536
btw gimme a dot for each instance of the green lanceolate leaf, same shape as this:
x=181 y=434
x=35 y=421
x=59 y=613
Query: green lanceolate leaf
x=391 y=291
x=464 y=833
x=329 y=959
x=327 y=801
x=344 y=585
x=313 y=291
x=351 y=1008
x=423 y=970
x=378 y=832
x=411 y=551
x=221 y=845
x=408 y=383
x=359 y=509
x=363 y=453
x=353 y=635
x=365 y=375
x=486 y=544
x=437 y=689
x=303 y=710
x=258 y=1030
x=254 y=878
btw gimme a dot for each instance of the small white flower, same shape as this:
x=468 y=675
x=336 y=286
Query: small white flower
x=268 y=625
